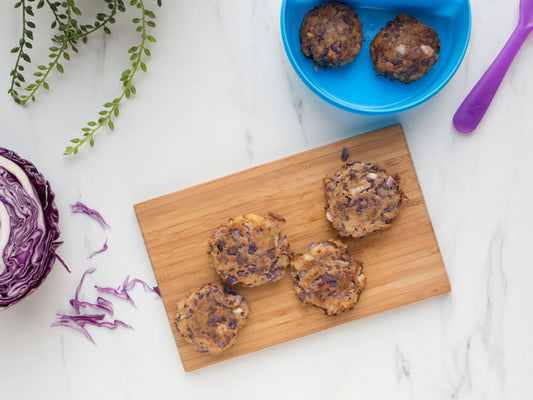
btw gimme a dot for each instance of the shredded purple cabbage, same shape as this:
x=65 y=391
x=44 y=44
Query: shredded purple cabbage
x=29 y=225
x=122 y=292
x=78 y=321
x=104 y=248
x=80 y=208
x=101 y=303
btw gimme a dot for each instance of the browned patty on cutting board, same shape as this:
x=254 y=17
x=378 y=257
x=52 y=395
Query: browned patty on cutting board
x=361 y=198
x=209 y=318
x=406 y=49
x=331 y=34
x=327 y=277
x=249 y=250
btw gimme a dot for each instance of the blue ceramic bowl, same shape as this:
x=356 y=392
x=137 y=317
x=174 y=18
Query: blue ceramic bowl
x=356 y=87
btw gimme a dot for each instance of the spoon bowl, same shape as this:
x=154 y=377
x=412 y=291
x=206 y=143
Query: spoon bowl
x=526 y=14
x=474 y=106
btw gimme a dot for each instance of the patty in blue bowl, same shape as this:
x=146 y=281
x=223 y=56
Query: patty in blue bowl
x=331 y=34
x=405 y=49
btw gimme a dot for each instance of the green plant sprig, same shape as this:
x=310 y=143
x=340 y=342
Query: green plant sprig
x=137 y=56
x=83 y=31
x=17 y=78
x=56 y=53
x=68 y=33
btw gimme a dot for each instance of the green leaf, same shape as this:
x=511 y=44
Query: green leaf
x=75 y=140
x=25 y=57
x=143 y=67
x=59 y=67
x=149 y=14
x=151 y=39
x=76 y=11
x=111 y=125
x=15 y=49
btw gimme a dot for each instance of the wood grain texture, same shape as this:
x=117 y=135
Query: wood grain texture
x=403 y=264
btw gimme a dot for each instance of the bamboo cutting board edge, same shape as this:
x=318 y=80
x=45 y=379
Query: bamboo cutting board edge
x=161 y=206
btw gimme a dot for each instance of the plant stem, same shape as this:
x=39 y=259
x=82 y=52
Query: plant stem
x=66 y=39
x=90 y=131
x=94 y=28
x=15 y=74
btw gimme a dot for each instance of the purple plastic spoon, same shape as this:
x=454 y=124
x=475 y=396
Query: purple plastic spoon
x=470 y=112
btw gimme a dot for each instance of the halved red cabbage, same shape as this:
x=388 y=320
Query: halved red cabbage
x=28 y=228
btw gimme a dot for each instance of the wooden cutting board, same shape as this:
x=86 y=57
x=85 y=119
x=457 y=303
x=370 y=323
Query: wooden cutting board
x=402 y=264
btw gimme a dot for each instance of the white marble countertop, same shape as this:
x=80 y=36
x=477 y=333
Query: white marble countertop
x=220 y=96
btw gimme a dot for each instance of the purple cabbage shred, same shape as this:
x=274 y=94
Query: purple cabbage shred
x=104 y=248
x=101 y=303
x=122 y=292
x=80 y=208
x=79 y=320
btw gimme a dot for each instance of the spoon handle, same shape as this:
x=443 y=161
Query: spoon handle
x=470 y=112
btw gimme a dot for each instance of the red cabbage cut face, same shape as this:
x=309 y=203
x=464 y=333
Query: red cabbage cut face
x=28 y=228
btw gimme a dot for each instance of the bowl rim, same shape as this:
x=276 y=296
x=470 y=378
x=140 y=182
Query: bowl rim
x=372 y=110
